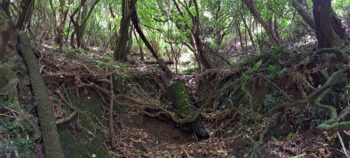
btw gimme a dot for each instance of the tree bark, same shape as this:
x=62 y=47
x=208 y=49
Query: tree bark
x=5 y=4
x=51 y=140
x=121 y=51
x=62 y=20
x=329 y=30
x=303 y=10
x=25 y=14
x=79 y=27
x=8 y=38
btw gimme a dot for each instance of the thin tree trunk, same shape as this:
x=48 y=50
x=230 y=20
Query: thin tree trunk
x=142 y=54
x=79 y=28
x=121 y=53
x=303 y=10
x=51 y=140
x=240 y=37
x=248 y=28
x=5 y=4
x=62 y=20
x=196 y=39
x=196 y=42
x=25 y=14
x=252 y=8
x=162 y=64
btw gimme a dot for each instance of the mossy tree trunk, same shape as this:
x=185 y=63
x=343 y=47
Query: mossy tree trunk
x=11 y=74
x=51 y=141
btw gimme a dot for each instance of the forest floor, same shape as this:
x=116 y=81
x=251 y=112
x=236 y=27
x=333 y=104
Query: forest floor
x=80 y=80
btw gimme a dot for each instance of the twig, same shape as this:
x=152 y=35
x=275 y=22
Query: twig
x=186 y=153
x=343 y=146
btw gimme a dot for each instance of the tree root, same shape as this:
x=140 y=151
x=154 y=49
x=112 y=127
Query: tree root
x=340 y=55
x=315 y=96
x=67 y=119
x=331 y=124
x=162 y=111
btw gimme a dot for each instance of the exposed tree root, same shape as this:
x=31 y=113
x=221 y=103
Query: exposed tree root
x=69 y=104
x=331 y=123
x=334 y=78
x=340 y=55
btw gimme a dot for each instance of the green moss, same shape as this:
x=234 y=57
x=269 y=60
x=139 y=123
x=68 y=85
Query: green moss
x=81 y=138
x=178 y=97
x=18 y=131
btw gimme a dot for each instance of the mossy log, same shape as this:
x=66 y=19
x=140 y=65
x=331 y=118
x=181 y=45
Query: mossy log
x=51 y=141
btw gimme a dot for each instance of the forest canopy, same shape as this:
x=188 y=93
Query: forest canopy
x=174 y=78
x=226 y=27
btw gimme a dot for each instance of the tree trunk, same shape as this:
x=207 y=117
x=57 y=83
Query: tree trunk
x=8 y=38
x=162 y=64
x=252 y=8
x=62 y=20
x=142 y=54
x=5 y=4
x=121 y=51
x=197 y=42
x=329 y=30
x=25 y=14
x=303 y=10
x=194 y=37
x=248 y=28
x=79 y=25
x=51 y=139
x=9 y=56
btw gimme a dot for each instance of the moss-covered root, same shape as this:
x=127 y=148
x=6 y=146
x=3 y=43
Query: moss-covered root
x=331 y=123
x=340 y=55
x=52 y=145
